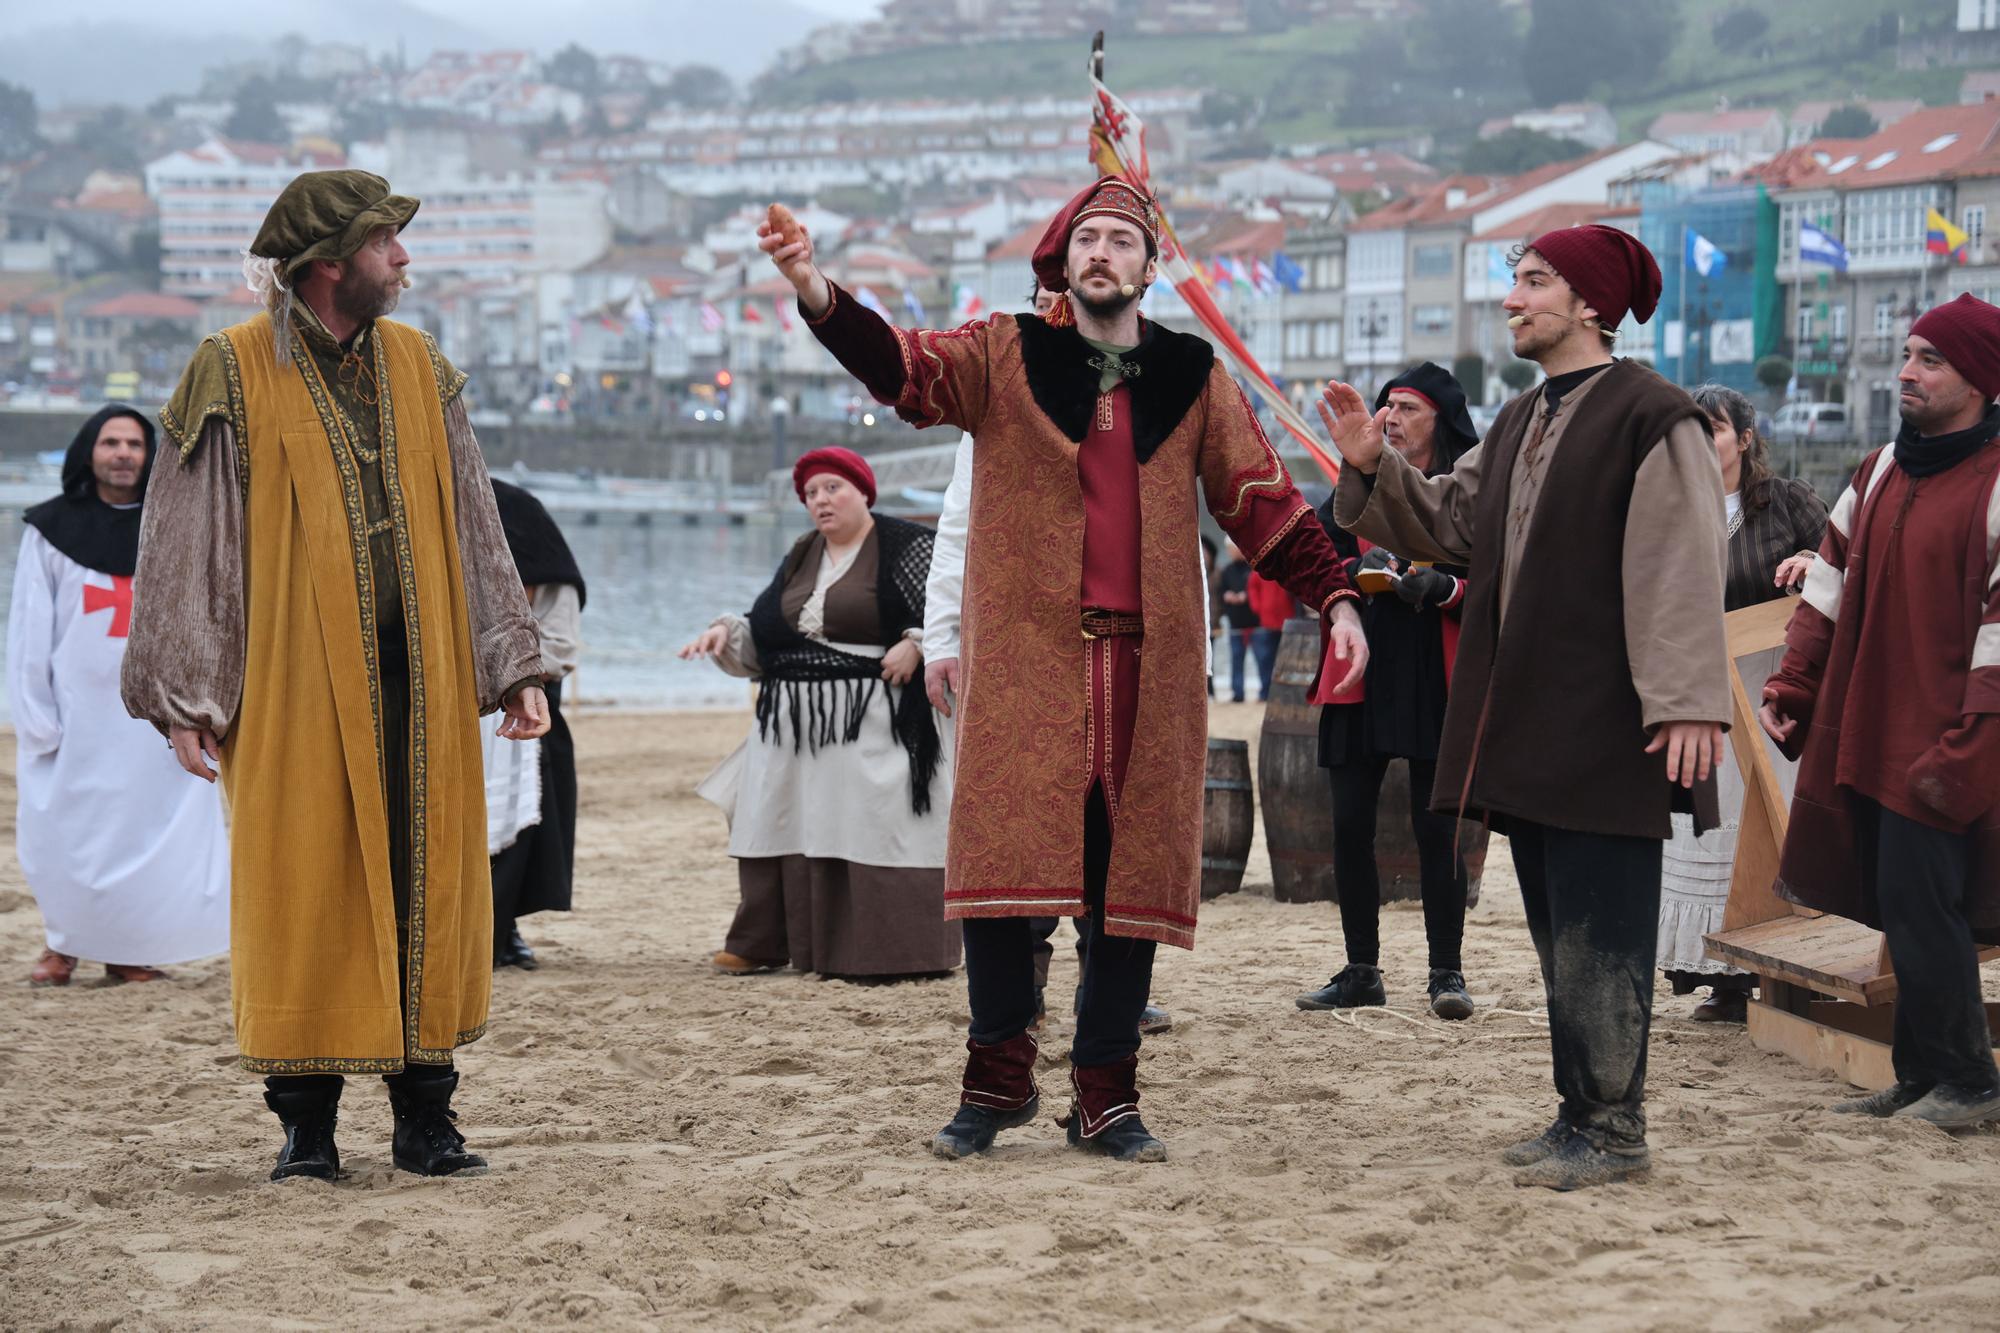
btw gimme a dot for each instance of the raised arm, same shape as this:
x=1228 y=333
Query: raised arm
x=929 y=376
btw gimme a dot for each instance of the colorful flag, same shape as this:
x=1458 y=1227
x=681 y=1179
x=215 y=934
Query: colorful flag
x=1287 y=271
x=1260 y=274
x=913 y=305
x=637 y=315
x=870 y=301
x=1237 y=276
x=784 y=309
x=965 y=303
x=1817 y=247
x=1941 y=238
x=1118 y=147
x=1703 y=255
x=711 y=318
x=751 y=315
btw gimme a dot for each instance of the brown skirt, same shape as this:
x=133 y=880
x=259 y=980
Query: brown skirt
x=841 y=918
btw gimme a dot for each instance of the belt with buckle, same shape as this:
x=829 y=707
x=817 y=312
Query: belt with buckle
x=1111 y=624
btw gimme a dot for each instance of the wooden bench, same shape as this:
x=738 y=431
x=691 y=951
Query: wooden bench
x=1826 y=988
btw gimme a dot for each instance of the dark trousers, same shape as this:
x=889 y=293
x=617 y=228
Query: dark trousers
x=1918 y=876
x=1239 y=648
x=1593 y=907
x=1264 y=643
x=1357 y=792
x=1117 y=971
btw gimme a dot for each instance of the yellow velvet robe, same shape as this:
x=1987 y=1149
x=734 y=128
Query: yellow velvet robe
x=317 y=981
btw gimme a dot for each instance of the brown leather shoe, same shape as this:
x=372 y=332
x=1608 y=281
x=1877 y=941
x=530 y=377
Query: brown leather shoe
x=735 y=965
x=117 y=974
x=52 y=969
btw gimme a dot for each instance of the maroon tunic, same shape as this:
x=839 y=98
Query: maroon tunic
x=1893 y=675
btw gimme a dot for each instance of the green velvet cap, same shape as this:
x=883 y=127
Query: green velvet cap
x=328 y=215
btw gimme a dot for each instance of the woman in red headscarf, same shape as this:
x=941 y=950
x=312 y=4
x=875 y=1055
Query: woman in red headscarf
x=837 y=804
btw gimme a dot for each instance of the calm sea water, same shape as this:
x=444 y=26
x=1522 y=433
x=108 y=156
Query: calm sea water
x=652 y=589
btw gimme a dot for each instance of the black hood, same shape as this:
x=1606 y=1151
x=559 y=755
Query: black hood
x=80 y=525
x=1455 y=433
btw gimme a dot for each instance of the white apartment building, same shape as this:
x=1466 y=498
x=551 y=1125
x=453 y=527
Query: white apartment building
x=211 y=201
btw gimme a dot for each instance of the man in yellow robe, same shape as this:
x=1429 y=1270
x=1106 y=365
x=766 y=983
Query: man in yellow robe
x=325 y=605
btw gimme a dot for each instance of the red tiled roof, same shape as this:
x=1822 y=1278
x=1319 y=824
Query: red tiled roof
x=1547 y=218
x=144 y=305
x=1928 y=145
x=1021 y=245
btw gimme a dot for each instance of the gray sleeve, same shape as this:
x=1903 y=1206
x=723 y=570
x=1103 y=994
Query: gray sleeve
x=184 y=659
x=1417 y=517
x=559 y=616
x=506 y=647
x=1675 y=557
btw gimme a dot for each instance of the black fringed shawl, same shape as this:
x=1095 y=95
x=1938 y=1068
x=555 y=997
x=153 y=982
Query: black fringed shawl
x=825 y=692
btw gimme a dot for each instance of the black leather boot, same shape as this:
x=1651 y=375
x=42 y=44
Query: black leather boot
x=307 y=1106
x=427 y=1142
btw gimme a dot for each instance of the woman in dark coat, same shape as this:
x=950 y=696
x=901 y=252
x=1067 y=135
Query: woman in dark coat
x=535 y=872
x=1775 y=526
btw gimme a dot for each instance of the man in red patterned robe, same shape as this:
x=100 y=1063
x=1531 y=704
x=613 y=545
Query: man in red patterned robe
x=1081 y=740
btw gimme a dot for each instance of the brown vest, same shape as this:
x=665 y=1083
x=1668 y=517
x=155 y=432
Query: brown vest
x=1544 y=723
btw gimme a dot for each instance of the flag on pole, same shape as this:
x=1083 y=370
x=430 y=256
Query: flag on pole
x=711 y=318
x=1704 y=256
x=1816 y=247
x=784 y=311
x=870 y=301
x=1261 y=276
x=1941 y=238
x=1287 y=271
x=751 y=314
x=1118 y=147
x=637 y=315
x=965 y=303
x=1239 y=277
x=913 y=305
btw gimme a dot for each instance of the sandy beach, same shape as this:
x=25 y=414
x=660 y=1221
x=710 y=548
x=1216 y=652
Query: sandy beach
x=673 y=1148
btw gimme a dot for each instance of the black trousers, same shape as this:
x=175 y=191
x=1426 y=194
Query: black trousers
x=1593 y=907
x=1357 y=793
x=1918 y=877
x=1117 y=971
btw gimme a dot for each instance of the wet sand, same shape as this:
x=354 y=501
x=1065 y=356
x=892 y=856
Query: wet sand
x=673 y=1148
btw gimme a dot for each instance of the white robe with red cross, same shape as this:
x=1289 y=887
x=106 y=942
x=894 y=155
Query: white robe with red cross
x=126 y=853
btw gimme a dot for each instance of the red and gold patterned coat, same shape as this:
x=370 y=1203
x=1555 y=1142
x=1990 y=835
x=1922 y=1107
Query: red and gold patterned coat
x=1028 y=394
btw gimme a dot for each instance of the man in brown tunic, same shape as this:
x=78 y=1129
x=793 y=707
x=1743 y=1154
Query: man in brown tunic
x=1591 y=683
x=1080 y=757
x=325 y=603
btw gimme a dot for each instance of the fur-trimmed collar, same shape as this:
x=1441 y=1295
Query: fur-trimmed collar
x=1173 y=372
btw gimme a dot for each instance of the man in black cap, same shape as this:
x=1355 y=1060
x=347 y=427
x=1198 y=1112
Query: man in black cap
x=1398 y=713
x=326 y=606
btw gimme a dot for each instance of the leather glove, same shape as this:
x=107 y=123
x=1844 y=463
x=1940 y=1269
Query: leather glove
x=1422 y=586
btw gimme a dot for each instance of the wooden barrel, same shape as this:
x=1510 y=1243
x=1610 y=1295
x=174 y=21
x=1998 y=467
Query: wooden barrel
x=1291 y=788
x=1227 y=814
x=1298 y=805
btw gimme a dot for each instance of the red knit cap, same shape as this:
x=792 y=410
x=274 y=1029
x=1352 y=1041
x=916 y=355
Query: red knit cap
x=1607 y=267
x=1967 y=331
x=842 y=462
x=1111 y=196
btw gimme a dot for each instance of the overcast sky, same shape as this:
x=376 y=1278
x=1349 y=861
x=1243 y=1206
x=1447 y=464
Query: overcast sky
x=474 y=11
